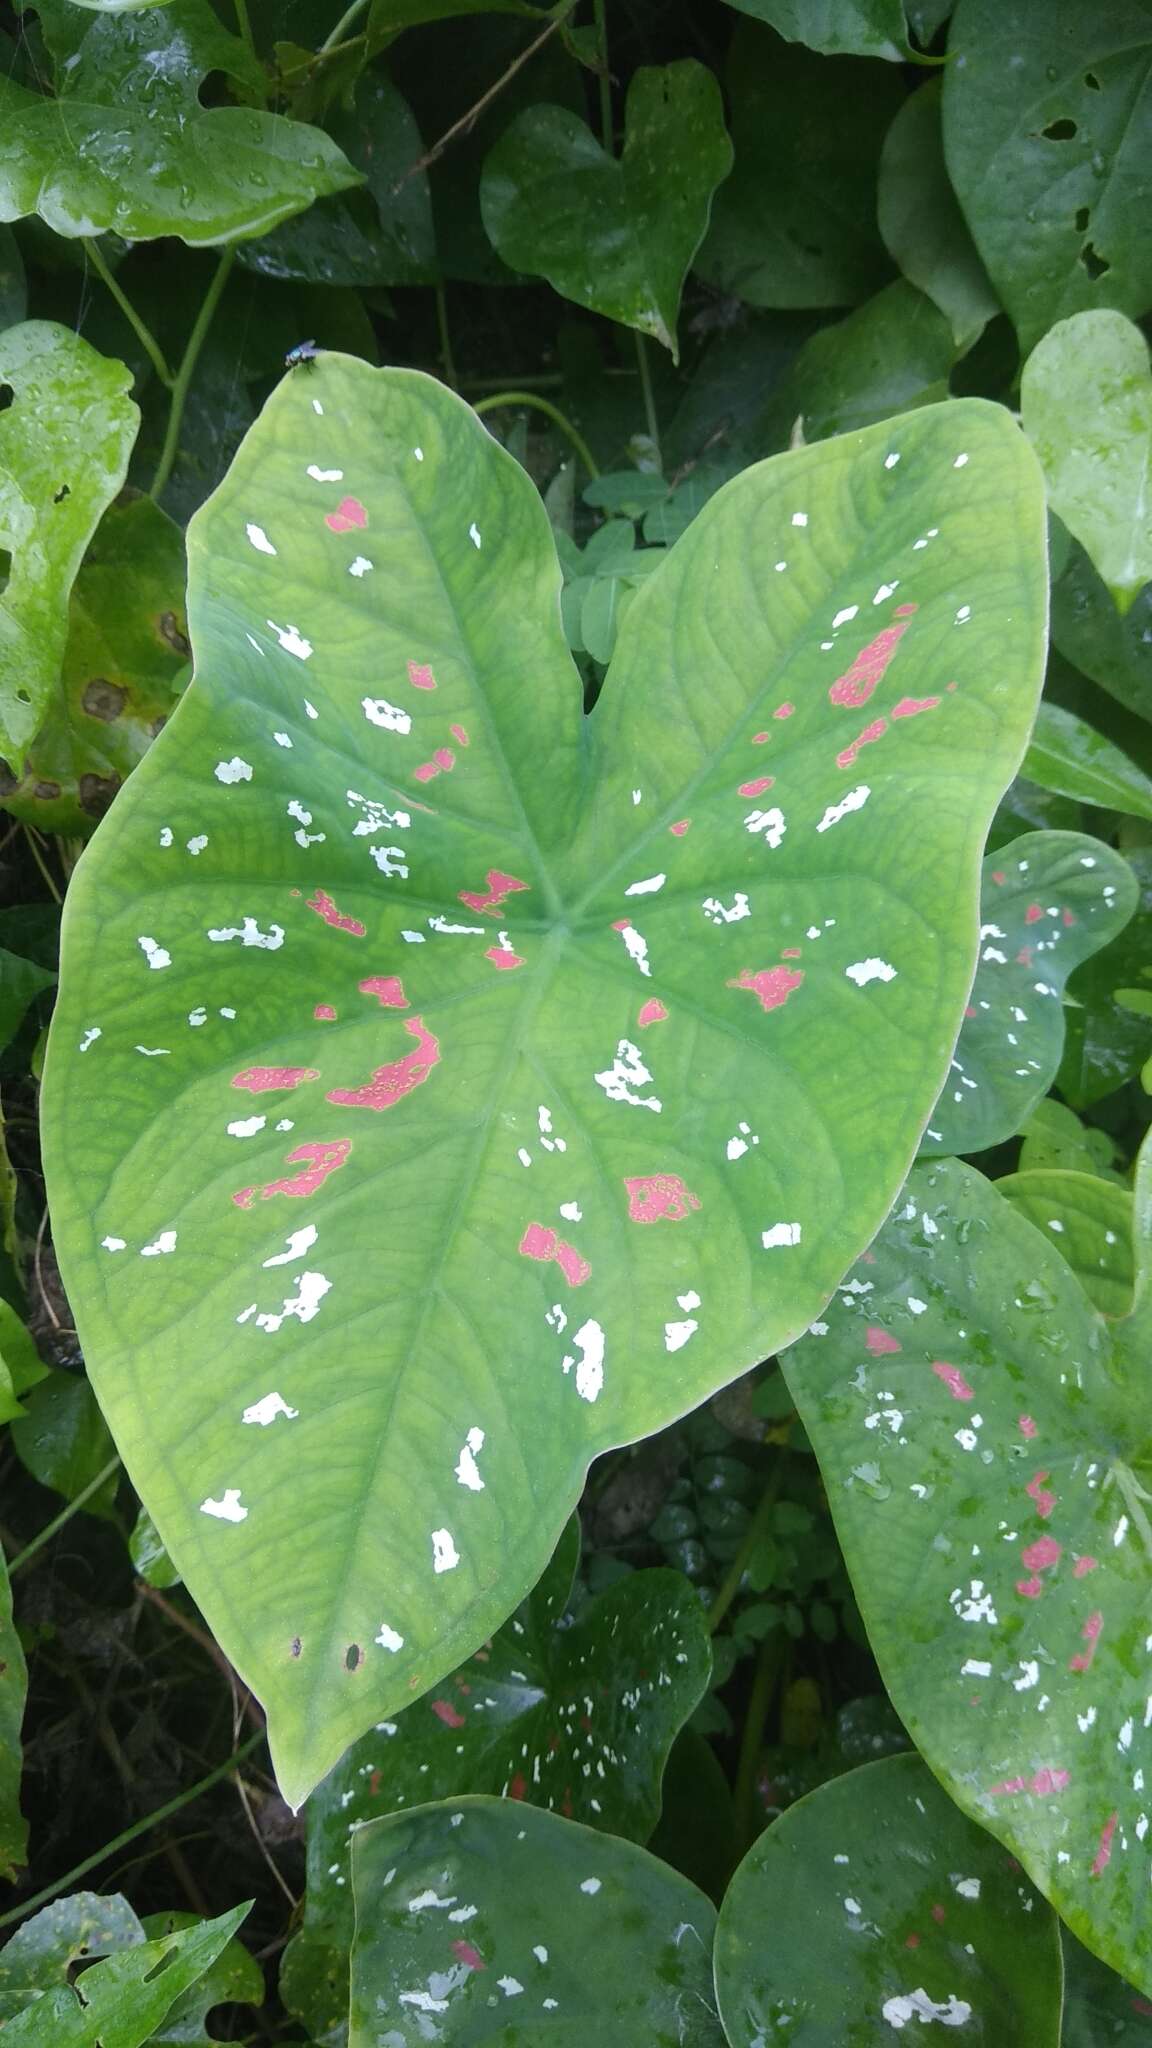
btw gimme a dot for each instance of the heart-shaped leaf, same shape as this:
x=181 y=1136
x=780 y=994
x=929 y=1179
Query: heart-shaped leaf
x=1086 y=403
x=125 y=144
x=921 y=222
x=1068 y=755
x=617 y=237
x=837 y=28
x=1090 y=1223
x=574 y=1715
x=495 y=1922
x=983 y=1434
x=13 y=1689
x=1046 y=148
x=65 y=438
x=795 y=224
x=1048 y=901
x=875 y=1905
x=441 y=1094
x=123 y=662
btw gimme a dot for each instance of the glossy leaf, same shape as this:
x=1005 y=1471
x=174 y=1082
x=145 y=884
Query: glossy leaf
x=1086 y=401
x=837 y=28
x=65 y=439
x=1106 y=1041
x=500 y=1923
x=1068 y=755
x=546 y=1224
x=1089 y=1221
x=63 y=1441
x=124 y=661
x=41 y=1955
x=234 y=1978
x=1114 y=649
x=126 y=144
x=13 y=1690
x=1047 y=902
x=886 y=357
x=1100 y=2009
x=921 y=222
x=1055 y=1139
x=1045 y=137
x=149 y=1557
x=119 y=2002
x=615 y=236
x=795 y=223
x=577 y=1715
x=874 y=1905
x=982 y=1432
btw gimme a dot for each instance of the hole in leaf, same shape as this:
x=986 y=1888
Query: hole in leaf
x=6 y=396
x=59 y=496
x=5 y=567
x=23 y=697
x=1091 y=81
x=1093 y=262
x=296 y=1646
x=352 y=1657
x=165 y=1962
x=1083 y=216
x=1061 y=131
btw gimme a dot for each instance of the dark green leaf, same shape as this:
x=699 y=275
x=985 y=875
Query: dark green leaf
x=874 y=1905
x=1105 y=1040
x=615 y=236
x=63 y=1440
x=1114 y=649
x=891 y=354
x=499 y=1923
x=1068 y=755
x=795 y=224
x=1045 y=132
x=20 y=981
x=837 y=28
x=13 y=1689
x=1100 y=2009
x=921 y=222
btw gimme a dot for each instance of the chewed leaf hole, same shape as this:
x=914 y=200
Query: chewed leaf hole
x=6 y=396
x=1091 y=81
x=1063 y=130
x=1083 y=216
x=59 y=496
x=295 y=1647
x=1095 y=264
x=352 y=1657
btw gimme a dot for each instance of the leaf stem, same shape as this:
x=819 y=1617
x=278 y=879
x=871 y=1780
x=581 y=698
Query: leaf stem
x=553 y=412
x=600 y=16
x=245 y=27
x=467 y=121
x=446 y=356
x=650 y=413
x=140 y=328
x=132 y=1834
x=59 y=1521
x=757 y=1527
x=768 y=1667
x=184 y=374
x=345 y=22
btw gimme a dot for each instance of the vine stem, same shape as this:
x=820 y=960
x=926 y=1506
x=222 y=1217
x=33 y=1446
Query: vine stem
x=139 y=326
x=650 y=413
x=132 y=1834
x=245 y=27
x=769 y=1664
x=553 y=412
x=183 y=376
x=59 y=1521
x=752 y=1535
x=600 y=17
x=345 y=22
x=446 y=356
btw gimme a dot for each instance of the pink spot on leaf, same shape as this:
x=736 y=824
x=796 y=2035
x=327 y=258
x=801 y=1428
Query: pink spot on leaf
x=420 y=676
x=998 y=876
x=261 y=1080
x=1041 y=1784
x=446 y=1712
x=1083 y=1566
x=784 y=711
x=1038 y=1493
x=1103 y=1854
x=651 y=1012
x=499 y=887
x=1039 y=1555
x=324 y=907
x=880 y=1342
x=459 y=735
x=321 y=1161
x=680 y=827
x=387 y=989
x=656 y=1197
x=857 y=683
x=911 y=707
x=324 y=1014
x=469 y=1956
x=756 y=787
x=1034 y=913
x=349 y=514
x=870 y=734
x=1030 y=1589
x=519 y=1786
x=389 y=1084
x=1090 y=1634
x=502 y=958
x=771 y=986
x=953 y=1379
x=538 y=1242
x=1026 y=1426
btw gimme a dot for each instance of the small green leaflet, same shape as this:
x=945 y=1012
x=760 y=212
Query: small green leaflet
x=440 y=1096
x=1090 y=1223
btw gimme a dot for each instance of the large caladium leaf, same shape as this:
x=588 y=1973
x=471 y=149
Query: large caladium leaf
x=875 y=1905
x=576 y=1714
x=983 y=1430
x=481 y=1921
x=444 y=1090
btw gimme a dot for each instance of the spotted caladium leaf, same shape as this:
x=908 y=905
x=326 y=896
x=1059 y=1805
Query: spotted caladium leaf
x=1047 y=902
x=574 y=1715
x=983 y=1433
x=487 y=1921
x=1090 y=1222
x=444 y=1090
x=874 y=1905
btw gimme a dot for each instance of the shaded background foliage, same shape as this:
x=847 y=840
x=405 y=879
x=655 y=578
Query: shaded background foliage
x=812 y=215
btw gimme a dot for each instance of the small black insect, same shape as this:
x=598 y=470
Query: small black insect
x=304 y=352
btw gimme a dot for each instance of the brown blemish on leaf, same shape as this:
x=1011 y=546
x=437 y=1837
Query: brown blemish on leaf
x=47 y=791
x=8 y=781
x=172 y=631
x=352 y=1657
x=102 y=699
x=96 y=793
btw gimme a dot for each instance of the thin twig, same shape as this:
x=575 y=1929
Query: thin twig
x=198 y=1635
x=468 y=120
x=37 y=1257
